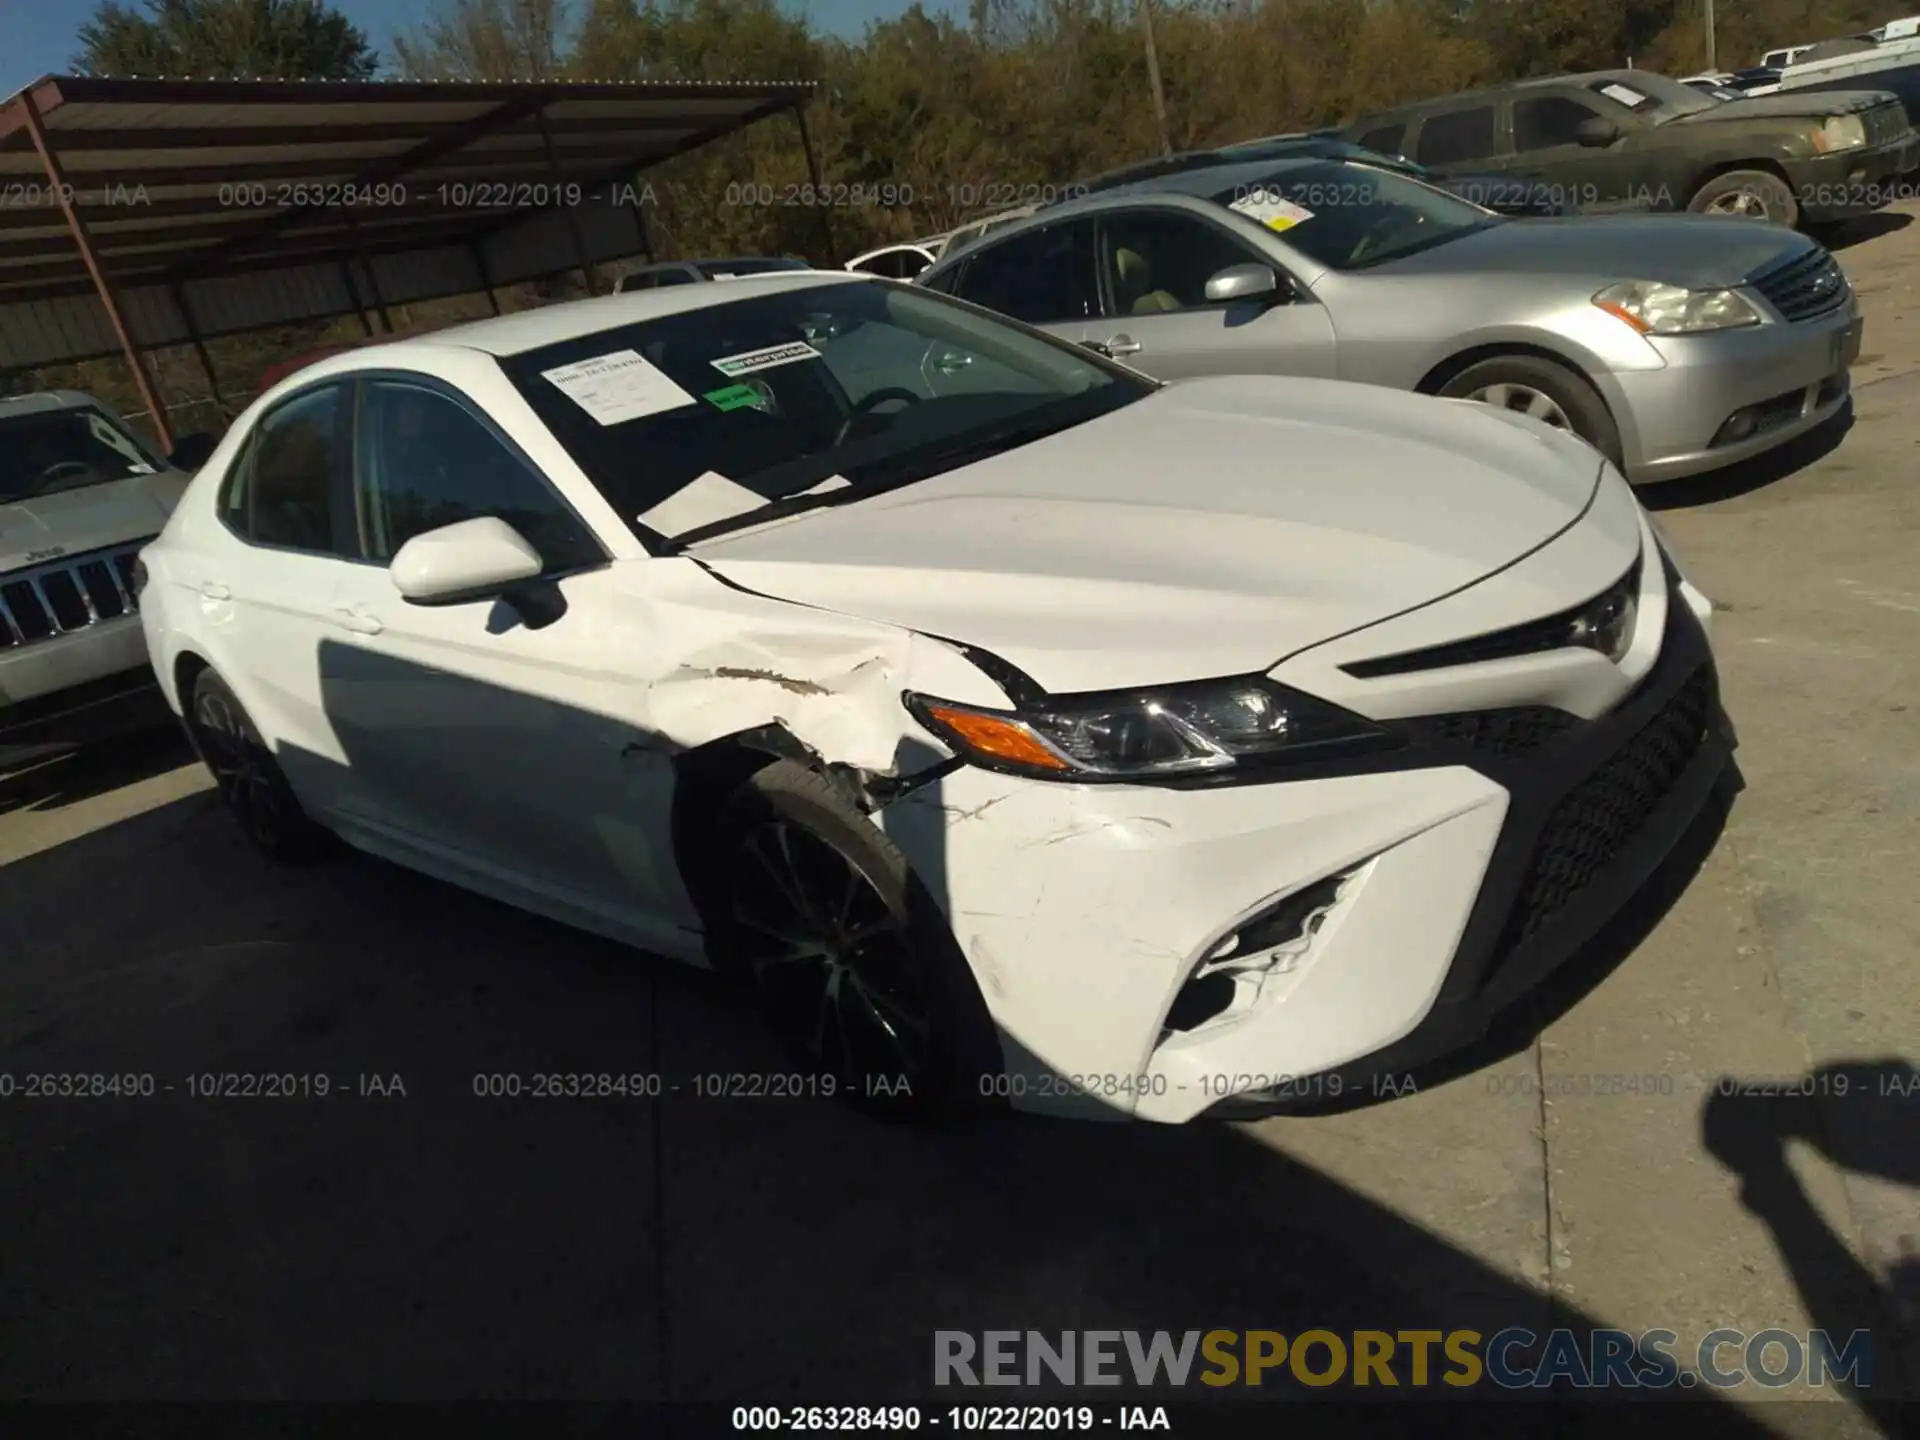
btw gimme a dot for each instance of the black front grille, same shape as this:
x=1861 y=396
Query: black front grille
x=1506 y=733
x=1595 y=821
x=68 y=595
x=1808 y=285
x=1886 y=123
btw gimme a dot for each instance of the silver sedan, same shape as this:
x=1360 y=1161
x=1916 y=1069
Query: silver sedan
x=1675 y=344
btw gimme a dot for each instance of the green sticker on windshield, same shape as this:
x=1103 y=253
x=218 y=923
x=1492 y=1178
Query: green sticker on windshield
x=734 y=397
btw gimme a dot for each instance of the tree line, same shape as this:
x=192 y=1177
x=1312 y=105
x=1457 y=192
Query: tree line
x=929 y=118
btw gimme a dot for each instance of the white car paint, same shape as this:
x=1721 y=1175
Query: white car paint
x=1218 y=527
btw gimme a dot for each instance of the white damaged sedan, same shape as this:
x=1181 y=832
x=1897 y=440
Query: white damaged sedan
x=1020 y=728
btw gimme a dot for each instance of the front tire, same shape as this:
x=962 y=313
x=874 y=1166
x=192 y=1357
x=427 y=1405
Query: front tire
x=251 y=783
x=853 y=962
x=1750 y=195
x=1547 y=391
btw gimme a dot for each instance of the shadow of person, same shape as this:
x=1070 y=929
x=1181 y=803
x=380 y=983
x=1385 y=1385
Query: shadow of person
x=1863 y=1117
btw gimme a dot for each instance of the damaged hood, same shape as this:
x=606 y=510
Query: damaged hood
x=91 y=517
x=1213 y=528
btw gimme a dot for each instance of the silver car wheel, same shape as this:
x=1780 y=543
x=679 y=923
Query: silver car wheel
x=1507 y=395
x=1747 y=204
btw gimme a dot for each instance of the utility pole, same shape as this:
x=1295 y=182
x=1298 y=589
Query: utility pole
x=1712 y=64
x=1153 y=77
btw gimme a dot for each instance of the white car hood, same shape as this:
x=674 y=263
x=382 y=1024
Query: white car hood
x=72 y=522
x=1213 y=528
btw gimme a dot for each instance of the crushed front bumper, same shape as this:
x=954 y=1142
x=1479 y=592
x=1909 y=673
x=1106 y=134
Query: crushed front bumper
x=1589 y=823
x=1478 y=855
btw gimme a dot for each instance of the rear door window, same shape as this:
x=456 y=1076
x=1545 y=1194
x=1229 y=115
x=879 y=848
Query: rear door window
x=1386 y=140
x=296 y=477
x=1455 y=137
x=1044 y=276
x=1546 y=122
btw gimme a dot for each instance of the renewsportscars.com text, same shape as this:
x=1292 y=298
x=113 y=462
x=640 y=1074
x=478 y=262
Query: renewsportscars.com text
x=1510 y=1359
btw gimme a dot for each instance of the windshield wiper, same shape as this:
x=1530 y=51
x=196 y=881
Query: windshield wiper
x=979 y=447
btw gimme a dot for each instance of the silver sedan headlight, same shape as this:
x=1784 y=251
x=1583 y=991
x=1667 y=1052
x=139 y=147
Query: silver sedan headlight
x=1179 y=730
x=1655 y=308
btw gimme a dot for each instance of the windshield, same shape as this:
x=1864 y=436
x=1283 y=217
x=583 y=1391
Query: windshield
x=1353 y=217
x=54 y=450
x=812 y=395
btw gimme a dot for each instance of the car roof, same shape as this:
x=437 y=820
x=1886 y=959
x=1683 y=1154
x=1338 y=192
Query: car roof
x=789 y=260
x=551 y=324
x=1487 y=92
x=38 y=402
x=1200 y=184
x=1203 y=182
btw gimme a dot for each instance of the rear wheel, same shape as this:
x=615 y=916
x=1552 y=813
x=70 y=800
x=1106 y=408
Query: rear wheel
x=1747 y=194
x=1549 y=392
x=855 y=965
x=250 y=780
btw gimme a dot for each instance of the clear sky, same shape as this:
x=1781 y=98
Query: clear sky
x=38 y=35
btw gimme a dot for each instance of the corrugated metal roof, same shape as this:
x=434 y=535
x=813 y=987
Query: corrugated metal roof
x=180 y=181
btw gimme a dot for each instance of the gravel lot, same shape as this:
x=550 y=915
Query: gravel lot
x=434 y=1245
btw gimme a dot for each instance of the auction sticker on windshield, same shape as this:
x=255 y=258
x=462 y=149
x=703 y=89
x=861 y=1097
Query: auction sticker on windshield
x=749 y=361
x=736 y=397
x=618 y=387
x=1271 y=209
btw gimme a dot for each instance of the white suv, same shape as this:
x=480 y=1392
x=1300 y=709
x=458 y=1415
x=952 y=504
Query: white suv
x=79 y=497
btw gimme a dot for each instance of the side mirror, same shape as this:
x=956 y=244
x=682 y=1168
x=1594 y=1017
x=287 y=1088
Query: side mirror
x=466 y=561
x=190 y=452
x=1243 y=282
x=1596 y=133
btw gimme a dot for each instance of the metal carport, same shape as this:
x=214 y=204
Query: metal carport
x=140 y=213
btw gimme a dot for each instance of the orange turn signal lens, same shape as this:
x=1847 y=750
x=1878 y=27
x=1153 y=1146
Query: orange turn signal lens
x=1620 y=312
x=997 y=737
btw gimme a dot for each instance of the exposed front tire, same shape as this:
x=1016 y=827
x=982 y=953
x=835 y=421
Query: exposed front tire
x=1748 y=194
x=251 y=783
x=1547 y=391
x=854 y=963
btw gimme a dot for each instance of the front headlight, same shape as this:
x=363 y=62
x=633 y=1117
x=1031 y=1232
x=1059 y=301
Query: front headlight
x=1179 y=730
x=1840 y=132
x=1654 y=308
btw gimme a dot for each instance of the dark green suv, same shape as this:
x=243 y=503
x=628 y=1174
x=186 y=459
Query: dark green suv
x=1615 y=140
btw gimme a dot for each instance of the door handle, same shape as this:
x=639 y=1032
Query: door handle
x=356 y=619
x=1123 y=345
x=952 y=363
x=214 y=590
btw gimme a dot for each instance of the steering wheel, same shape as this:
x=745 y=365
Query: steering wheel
x=60 y=470
x=1385 y=229
x=867 y=404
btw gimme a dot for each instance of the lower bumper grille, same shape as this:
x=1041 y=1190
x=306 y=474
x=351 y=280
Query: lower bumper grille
x=1506 y=733
x=1596 y=820
x=69 y=595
